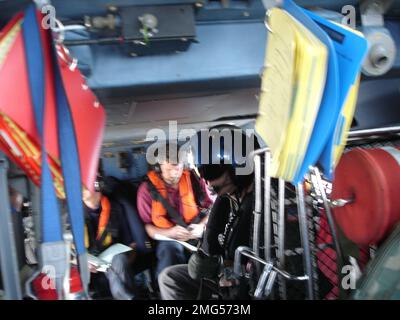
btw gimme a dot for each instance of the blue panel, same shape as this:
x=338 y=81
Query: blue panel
x=224 y=51
x=394 y=28
x=210 y=11
x=79 y=8
x=138 y=161
x=378 y=104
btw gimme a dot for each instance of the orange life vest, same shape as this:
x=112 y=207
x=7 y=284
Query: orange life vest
x=103 y=221
x=159 y=215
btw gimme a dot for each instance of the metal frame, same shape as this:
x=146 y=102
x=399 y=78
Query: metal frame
x=8 y=252
x=273 y=269
x=368 y=133
x=276 y=268
x=305 y=241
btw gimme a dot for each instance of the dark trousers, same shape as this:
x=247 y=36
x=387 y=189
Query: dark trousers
x=170 y=253
x=176 y=284
x=121 y=275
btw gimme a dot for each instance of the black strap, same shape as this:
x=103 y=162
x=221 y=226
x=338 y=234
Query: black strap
x=99 y=242
x=93 y=245
x=231 y=224
x=171 y=212
x=199 y=193
x=96 y=245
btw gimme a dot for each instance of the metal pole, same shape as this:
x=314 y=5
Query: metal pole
x=259 y=151
x=8 y=251
x=375 y=131
x=247 y=252
x=257 y=208
x=262 y=282
x=331 y=221
x=305 y=240
x=281 y=236
x=267 y=207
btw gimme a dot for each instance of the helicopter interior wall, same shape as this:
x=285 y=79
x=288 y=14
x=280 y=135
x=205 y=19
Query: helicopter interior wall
x=129 y=119
x=378 y=104
x=209 y=11
x=225 y=56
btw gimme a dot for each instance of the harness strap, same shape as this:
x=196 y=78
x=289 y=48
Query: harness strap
x=171 y=212
x=53 y=248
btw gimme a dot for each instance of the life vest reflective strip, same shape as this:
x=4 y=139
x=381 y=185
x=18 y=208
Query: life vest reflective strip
x=159 y=215
x=103 y=222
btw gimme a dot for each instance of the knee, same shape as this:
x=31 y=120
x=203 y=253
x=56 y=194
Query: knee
x=164 y=276
x=166 y=281
x=119 y=261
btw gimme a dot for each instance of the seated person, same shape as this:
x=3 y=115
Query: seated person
x=229 y=226
x=16 y=204
x=171 y=203
x=103 y=229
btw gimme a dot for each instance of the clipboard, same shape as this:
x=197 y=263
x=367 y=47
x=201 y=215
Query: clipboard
x=299 y=93
x=330 y=108
x=351 y=48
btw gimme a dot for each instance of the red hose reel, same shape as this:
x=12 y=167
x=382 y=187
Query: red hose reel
x=370 y=179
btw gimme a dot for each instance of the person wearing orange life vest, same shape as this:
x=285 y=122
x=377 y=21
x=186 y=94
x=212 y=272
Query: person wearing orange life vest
x=102 y=229
x=172 y=202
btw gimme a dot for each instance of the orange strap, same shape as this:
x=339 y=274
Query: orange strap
x=104 y=216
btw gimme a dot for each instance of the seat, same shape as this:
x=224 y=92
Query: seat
x=123 y=193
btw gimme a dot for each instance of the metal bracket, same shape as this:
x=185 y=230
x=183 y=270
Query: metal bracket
x=268 y=276
x=372 y=12
x=382 y=48
x=337 y=203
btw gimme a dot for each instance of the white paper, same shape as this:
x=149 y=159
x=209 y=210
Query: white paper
x=103 y=261
x=99 y=264
x=112 y=251
x=160 y=237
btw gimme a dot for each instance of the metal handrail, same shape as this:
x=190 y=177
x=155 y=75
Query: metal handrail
x=372 y=132
x=247 y=252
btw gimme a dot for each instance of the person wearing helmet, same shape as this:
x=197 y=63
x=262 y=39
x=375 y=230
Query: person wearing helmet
x=209 y=270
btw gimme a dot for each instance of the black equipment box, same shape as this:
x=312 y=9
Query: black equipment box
x=172 y=28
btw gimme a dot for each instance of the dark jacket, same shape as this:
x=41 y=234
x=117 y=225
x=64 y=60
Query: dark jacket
x=228 y=228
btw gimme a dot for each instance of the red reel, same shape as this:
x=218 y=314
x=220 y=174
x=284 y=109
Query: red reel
x=371 y=179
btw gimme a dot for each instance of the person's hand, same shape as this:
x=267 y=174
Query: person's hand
x=91 y=199
x=179 y=233
x=196 y=230
x=133 y=245
x=92 y=268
